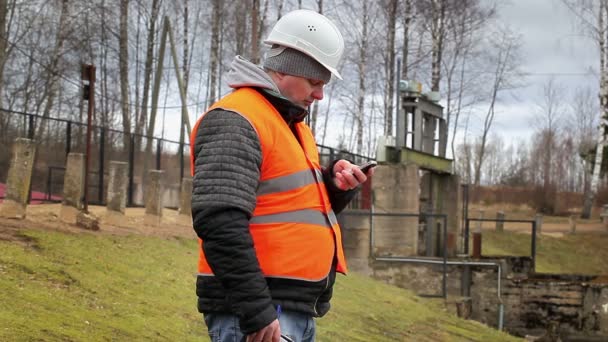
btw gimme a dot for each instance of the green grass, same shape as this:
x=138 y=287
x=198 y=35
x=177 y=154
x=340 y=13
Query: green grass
x=583 y=253
x=98 y=287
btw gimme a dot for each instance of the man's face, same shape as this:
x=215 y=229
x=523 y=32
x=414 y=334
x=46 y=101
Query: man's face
x=301 y=91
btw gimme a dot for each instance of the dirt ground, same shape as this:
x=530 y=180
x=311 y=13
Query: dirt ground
x=46 y=216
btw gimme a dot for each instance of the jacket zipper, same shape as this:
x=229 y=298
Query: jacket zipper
x=319 y=296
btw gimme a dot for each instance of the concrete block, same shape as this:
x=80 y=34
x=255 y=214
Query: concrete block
x=118 y=183
x=185 y=199
x=500 y=224
x=154 y=192
x=539 y=223
x=572 y=223
x=396 y=189
x=355 y=226
x=73 y=188
x=19 y=179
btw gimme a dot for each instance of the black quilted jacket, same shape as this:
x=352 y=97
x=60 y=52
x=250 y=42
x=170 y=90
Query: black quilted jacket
x=227 y=172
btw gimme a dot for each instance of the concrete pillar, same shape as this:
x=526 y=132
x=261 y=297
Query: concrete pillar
x=355 y=226
x=450 y=203
x=19 y=179
x=539 y=223
x=185 y=199
x=428 y=136
x=395 y=188
x=185 y=203
x=572 y=223
x=73 y=188
x=154 y=191
x=443 y=138
x=118 y=182
x=500 y=224
x=418 y=134
x=479 y=224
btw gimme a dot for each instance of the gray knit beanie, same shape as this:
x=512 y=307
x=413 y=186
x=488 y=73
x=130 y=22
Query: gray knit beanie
x=295 y=63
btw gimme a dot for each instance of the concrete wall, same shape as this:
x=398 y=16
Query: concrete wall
x=395 y=189
x=577 y=306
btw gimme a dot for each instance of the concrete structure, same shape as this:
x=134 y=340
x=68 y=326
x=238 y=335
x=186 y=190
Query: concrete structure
x=575 y=306
x=185 y=203
x=539 y=223
x=395 y=189
x=356 y=239
x=19 y=179
x=73 y=188
x=440 y=194
x=500 y=224
x=118 y=184
x=154 y=192
x=572 y=223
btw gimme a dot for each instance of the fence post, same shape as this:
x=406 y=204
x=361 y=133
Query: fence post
x=68 y=142
x=102 y=143
x=30 y=131
x=154 y=197
x=131 y=167
x=116 y=195
x=539 y=223
x=159 y=146
x=181 y=160
x=19 y=179
x=500 y=221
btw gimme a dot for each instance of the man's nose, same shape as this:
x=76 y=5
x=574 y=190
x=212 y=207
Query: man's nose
x=317 y=93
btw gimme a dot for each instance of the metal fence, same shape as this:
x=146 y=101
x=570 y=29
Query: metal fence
x=57 y=137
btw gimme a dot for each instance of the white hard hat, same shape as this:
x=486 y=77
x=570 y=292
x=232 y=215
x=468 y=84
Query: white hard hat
x=311 y=33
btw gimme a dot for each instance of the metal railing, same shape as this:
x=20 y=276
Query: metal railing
x=63 y=136
x=533 y=237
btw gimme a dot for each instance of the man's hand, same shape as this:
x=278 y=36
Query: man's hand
x=269 y=333
x=348 y=176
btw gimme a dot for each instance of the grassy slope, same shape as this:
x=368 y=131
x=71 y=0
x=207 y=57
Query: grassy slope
x=571 y=254
x=94 y=287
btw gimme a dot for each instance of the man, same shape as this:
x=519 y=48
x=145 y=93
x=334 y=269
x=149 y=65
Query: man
x=263 y=207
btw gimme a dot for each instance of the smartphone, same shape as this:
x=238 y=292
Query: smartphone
x=286 y=339
x=366 y=166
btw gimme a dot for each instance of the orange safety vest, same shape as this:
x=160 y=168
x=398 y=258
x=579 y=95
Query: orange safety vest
x=295 y=231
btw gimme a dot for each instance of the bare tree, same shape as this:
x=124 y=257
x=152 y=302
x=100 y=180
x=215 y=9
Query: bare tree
x=390 y=12
x=550 y=114
x=123 y=62
x=52 y=83
x=140 y=122
x=593 y=17
x=504 y=48
x=215 y=47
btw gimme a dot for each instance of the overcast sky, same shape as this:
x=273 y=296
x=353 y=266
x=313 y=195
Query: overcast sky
x=553 y=45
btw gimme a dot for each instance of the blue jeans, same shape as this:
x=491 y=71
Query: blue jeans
x=225 y=327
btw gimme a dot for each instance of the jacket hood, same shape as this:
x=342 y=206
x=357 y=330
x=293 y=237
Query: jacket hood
x=243 y=73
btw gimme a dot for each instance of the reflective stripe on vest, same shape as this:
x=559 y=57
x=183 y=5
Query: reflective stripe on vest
x=289 y=182
x=295 y=232
x=299 y=216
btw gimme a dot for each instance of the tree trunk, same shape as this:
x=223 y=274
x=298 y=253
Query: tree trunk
x=123 y=65
x=361 y=66
x=3 y=43
x=215 y=53
x=315 y=108
x=407 y=21
x=390 y=50
x=53 y=70
x=255 y=14
x=140 y=122
x=437 y=33
x=603 y=129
